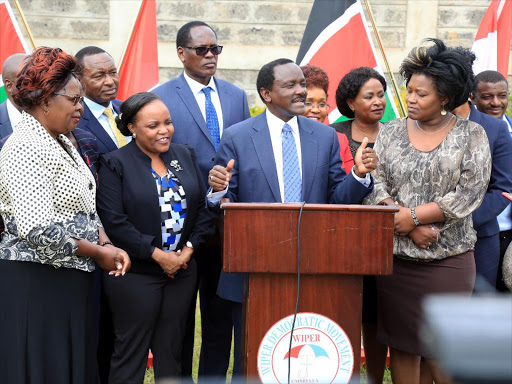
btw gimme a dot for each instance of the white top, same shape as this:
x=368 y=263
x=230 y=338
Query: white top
x=197 y=91
x=98 y=112
x=505 y=217
x=14 y=114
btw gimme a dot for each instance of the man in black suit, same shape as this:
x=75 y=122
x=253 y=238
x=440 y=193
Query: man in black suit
x=10 y=113
x=100 y=81
x=193 y=98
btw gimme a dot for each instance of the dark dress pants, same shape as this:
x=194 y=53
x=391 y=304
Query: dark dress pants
x=487 y=256
x=148 y=312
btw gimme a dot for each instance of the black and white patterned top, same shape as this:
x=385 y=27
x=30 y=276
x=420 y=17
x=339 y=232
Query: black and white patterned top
x=173 y=208
x=454 y=175
x=47 y=197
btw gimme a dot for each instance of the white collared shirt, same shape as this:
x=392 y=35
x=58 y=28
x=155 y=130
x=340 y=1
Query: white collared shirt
x=197 y=91
x=98 y=112
x=505 y=217
x=14 y=114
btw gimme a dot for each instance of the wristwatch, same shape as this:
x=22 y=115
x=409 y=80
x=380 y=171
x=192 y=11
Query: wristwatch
x=189 y=244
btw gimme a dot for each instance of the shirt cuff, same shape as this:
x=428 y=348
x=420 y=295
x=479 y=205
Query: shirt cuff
x=366 y=181
x=215 y=197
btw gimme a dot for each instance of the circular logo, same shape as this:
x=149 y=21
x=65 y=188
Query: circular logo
x=320 y=352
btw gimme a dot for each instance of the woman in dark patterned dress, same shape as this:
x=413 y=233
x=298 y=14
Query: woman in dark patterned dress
x=52 y=232
x=435 y=167
x=151 y=199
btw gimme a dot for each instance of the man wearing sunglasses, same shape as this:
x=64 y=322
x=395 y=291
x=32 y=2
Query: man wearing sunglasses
x=100 y=81
x=202 y=107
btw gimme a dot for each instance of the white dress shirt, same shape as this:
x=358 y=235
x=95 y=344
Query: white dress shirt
x=197 y=91
x=505 y=217
x=275 y=126
x=14 y=114
x=97 y=110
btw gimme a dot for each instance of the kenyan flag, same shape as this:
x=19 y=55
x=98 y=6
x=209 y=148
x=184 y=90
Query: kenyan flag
x=11 y=39
x=337 y=40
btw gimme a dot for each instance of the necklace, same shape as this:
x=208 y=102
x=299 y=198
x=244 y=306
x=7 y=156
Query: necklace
x=364 y=133
x=437 y=130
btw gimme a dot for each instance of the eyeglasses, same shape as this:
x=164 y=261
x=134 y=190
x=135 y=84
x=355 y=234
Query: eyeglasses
x=203 y=50
x=319 y=105
x=75 y=98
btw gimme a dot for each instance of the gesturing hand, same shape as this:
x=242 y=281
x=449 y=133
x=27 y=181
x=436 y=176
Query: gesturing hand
x=366 y=159
x=219 y=176
x=114 y=260
x=425 y=235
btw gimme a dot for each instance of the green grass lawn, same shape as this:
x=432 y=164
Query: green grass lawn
x=149 y=379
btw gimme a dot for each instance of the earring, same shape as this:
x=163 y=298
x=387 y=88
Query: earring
x=46 y=112
x=134 y=135
x=443 y=112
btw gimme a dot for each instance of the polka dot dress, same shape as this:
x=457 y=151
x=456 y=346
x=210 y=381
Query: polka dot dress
x=47 y=197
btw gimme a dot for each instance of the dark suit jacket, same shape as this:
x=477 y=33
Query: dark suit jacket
x=5 y=122
x=127 y=202
x=500 y=142
x=189 y=125
x=90 y=124
x=255 y=176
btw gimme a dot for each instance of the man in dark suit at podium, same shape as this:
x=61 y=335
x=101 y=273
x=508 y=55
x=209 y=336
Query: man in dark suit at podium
x=100 y=81
x=10 y=113
x=280 y=156
x=203 y=107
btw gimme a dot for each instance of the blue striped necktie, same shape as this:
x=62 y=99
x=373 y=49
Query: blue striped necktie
x=212 y=122
x=291 y=170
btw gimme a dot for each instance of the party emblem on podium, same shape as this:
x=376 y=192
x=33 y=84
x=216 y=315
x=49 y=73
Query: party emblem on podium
x=321 y=351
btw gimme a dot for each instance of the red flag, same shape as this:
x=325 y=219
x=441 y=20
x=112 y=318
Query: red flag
x=492 y=41
x=138 y=71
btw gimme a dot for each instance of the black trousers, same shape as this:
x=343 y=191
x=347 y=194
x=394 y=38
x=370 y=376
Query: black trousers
x=148 y=312
x=505 y=240
x=487 y=257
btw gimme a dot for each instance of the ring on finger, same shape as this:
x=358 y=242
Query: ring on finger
x=211 y=177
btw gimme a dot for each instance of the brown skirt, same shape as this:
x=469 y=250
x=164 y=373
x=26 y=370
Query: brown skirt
x=400 y=296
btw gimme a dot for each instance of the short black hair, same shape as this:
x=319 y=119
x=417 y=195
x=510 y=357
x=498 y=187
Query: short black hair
x=447 y=67
x=88 y=51
x=266 y=75
x=351 y=83
x=183 y=35
x=131 y=107
x=492 y=77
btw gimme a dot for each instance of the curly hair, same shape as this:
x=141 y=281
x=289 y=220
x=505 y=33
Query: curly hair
x=316 y=77
x=349 y=87
x=448 y=68
x=43 y=73
x=130 y=108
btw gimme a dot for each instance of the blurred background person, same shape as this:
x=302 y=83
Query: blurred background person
x=151 y=201
x=491 y=97
x=10 y=113
x=361 y=96
x=52 y=232
x=436 y=167
x=317 y=84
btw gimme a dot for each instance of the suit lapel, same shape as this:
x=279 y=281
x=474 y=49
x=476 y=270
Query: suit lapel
x=309 y=149
x=94 y=126
x=263 y=148
x=5 y=123
x=190 y=102
x=225 y=97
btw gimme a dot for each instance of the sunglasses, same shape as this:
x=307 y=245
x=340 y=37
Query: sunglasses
x=203 y=50
x=75 y=98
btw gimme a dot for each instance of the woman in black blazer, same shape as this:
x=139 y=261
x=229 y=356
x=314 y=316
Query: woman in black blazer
x=151 y=202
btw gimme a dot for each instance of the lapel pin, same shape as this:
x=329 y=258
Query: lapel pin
x=176 y=165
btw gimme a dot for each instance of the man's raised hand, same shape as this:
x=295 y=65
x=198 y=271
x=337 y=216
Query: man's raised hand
x=219 y=176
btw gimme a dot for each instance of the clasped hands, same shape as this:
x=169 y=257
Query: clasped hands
x=422 y=235
x=172 y=262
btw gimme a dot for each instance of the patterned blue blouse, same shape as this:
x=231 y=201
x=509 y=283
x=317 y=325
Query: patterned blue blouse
x=173 y=208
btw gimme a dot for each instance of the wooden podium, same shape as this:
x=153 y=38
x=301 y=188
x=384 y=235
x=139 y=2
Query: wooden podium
x=339 y=244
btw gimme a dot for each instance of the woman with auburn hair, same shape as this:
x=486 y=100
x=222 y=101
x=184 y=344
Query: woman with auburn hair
x=435 y=167
x=317 y=84
x=52 y=233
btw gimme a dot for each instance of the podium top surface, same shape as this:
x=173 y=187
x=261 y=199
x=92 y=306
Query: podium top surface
x=310 y=207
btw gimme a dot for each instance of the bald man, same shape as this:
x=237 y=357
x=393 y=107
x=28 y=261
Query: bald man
x=10 y=113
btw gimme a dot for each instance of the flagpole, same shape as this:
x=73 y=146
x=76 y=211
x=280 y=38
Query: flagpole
x=25 y=24
x=131 y=35
x=377 y=35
